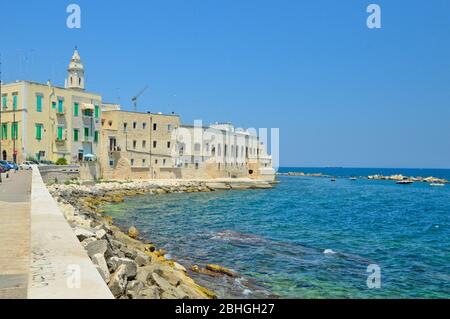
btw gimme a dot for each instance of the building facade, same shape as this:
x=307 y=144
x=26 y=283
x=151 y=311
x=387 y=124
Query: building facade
x=46 y=122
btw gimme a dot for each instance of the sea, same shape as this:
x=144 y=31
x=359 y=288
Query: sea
x=308 y=237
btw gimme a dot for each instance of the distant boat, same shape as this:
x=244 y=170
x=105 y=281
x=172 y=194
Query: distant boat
x=333 y=179
x=437 y=184
x=353 y=178
x=404 y=182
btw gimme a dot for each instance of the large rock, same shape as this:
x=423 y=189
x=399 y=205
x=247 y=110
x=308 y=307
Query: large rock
x=82 y=233
x=118 y=282
x=152 y=292
x=142 y=259
x=96 y=247
x=134 y=288
x=144 y=274
x=133 y=232
x=130 y=266
x=100 y=234
x=220 y=269
x=102 y=267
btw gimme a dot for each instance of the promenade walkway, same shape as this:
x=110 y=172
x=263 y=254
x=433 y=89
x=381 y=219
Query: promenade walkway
x=15 y=234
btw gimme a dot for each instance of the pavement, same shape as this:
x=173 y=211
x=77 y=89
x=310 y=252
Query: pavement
x=15 y=194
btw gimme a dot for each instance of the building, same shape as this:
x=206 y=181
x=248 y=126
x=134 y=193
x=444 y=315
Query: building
x=137 y=145
x=46 y=122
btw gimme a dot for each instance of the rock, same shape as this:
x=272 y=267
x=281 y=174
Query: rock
x=118 y=282
x=129 y=253
x=83 y=233
x=142 y=259
x=152 y=292
x=96 y=247
x=87 y=241
x=179 y=267
x=144 y=274
x=131 y=268
x=101 y=233
x=220 y=269
x=133 y=232
x=102 y=267
x=161 y=282
x=134 y=288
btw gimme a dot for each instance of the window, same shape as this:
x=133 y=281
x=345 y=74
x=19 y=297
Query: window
x=134 y=125
x=164 y=162
x=60 y=133
x=86 y=133
x=76 y=133
x=169 y=128
x=154 y=144
x=156 y=161
x=154 y=126
x=38 y=132
x=5 y=101
x=144 y=125
x=95 y=136
x=14 y=101
x=54 y=105
x=168 y=144
x=39 y=103
x=143 y=162
x=4 y=131
x=60 y=106
x=76 y=107
x=15 y=130
x=144 y=144
x=125 y=127
x=132 y=162
x=87 y=112
x=96 y=111
x=134 y=144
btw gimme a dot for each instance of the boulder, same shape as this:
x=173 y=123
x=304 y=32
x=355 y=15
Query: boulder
x=152 y=292
x=83 y=233
x=179 y=267
x=118 y=281
x=102 y=267
x=134 y=288
x=131 y=268
x=142 y=259
x=133 y=232
x=100 y=234
x=96 y=247
x=221 y=270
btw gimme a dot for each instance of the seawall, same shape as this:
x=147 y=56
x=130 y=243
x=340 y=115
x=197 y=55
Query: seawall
x=59 y=266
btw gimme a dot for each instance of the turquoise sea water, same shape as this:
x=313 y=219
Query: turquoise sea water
x=275 y=239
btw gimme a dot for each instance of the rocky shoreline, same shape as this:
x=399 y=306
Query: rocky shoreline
x=395 y=177
x=132 y=267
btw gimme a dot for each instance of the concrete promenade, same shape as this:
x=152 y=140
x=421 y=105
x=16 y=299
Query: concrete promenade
x=14 y=234
x=40 y=256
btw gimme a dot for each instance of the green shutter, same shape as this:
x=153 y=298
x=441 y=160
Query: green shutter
x=86 y=133
x=5 y=101
x=14 y=131
x=4 y=131
x=60 y=106
x=53 y=105
x=75 y=109
x=38 y=132
x=15 y=102
x=97 y=111
x=96 y=136
x=39 y=103
x=75 y=135
x=60 y=133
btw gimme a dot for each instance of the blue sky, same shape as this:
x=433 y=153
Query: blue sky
x=341 y=94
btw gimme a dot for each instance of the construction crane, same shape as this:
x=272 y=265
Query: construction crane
x=134 y=99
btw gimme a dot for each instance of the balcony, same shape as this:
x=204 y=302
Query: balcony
x=59 y=141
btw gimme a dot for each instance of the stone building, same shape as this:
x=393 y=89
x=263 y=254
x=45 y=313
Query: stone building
x=46 y=122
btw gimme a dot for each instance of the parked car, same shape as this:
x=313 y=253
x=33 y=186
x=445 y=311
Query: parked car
x=13 y=165
x=3 y=169
x=5 y=165
x=27 y=165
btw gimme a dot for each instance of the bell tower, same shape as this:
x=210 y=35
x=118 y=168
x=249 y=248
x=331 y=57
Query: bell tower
x=75 y=72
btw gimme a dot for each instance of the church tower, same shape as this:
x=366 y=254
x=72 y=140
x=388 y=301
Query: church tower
x=75 y=73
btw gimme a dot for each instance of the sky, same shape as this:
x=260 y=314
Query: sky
x=340 y=93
